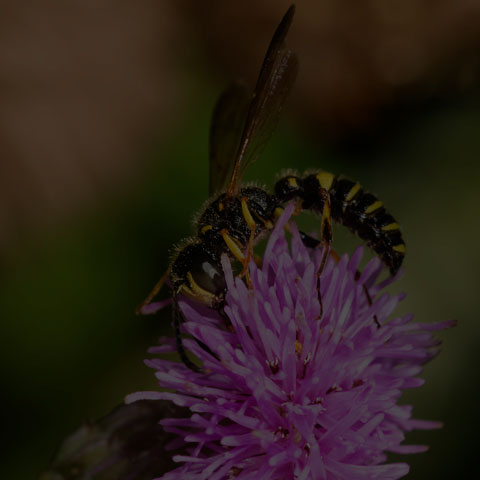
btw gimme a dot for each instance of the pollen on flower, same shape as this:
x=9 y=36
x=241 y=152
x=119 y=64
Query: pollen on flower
x=293 y=390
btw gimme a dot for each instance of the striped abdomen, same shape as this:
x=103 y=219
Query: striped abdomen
x=361 y=212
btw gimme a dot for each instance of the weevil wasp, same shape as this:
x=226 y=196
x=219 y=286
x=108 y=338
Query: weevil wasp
x=237 y=216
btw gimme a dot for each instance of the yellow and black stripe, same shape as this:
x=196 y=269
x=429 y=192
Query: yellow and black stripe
x=360 y=211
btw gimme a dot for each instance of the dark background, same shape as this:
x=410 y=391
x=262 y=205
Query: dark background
x=104 y=117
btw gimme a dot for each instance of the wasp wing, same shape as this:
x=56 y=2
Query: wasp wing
x=228 y=120
x=276 y=78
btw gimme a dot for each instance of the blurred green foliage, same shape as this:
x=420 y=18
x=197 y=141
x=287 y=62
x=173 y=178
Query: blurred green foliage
x=72 y=346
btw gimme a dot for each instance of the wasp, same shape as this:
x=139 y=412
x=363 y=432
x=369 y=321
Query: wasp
x=237 y=216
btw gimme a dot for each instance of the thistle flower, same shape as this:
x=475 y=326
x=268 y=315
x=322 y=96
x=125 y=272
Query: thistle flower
x=296 y=390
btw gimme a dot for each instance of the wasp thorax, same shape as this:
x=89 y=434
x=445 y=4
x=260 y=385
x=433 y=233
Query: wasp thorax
x=260 y=203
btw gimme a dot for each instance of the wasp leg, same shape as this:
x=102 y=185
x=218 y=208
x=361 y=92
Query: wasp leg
x=158 y=286
x=311 y=242
x=235 y=249
x=326 y=230
x=336 y=256
x=369 y=298
x=326 y=236
x=246 y=260
x=257 y=259
x=298 y=207
x=252 y=224
x=232 y=245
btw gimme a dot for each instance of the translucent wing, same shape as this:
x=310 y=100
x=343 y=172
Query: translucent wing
x=228 y=120
x=274 y=83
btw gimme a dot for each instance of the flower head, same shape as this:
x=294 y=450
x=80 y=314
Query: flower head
x=295 y=389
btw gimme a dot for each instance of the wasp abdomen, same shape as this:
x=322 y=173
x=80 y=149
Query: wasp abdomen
x=361 y=212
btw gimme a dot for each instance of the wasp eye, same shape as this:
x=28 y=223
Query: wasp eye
x=208 y=274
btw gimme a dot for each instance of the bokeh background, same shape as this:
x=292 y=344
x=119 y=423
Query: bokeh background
x=104 y=118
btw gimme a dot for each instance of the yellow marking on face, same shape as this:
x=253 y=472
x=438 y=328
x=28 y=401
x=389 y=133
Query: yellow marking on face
x=247 y=215
x=196 y=292
x=220 y=206
x=399 y=248
x=298 y=348
x=390 y=227
x=374 y=206
x=195 y=287
x=353 y=191
x=278 y=211
x=292 y=181
x=325 y=180
x=205 y=229
x=183 y=289
x=233 y=246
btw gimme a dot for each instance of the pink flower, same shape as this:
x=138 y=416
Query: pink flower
x=290 y=393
